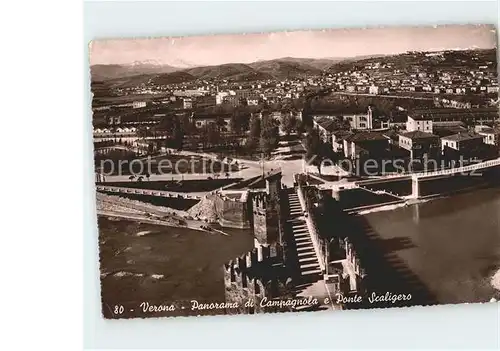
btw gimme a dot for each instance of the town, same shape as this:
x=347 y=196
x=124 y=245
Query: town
x=283 y=158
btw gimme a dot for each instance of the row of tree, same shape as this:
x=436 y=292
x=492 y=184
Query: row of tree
x=263 y=134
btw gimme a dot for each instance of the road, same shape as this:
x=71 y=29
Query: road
x=248 y=169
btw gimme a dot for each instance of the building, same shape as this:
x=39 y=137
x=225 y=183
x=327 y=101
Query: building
x=187 y=103
x=419 y=123
x=374 y=90
x=462 y=141
x=247 y=95
x=190 y=93
x=231 y=100
x=338 y=138
x=420 y=144
x=470 y=116
x=138 y=104
x=491 y=136
x=201 y=120
x=326 y=126
x=219 y=97
x=362 y=120
x=365 y=143
x=492 y=89
x=205 y=101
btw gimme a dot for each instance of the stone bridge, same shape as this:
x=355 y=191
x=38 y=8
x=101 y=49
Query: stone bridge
x=416 y=178
x=150 y=192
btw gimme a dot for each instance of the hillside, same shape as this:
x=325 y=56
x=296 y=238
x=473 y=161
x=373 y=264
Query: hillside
x=446 y=60
x=321 y=64
x=146 y=79
x=229 y=71
x=172 y=78
x=106 y=72
x=286 y=68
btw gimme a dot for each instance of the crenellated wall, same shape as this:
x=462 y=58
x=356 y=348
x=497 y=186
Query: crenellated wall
x=261 y=272
x=253 y=277
x=353 y=267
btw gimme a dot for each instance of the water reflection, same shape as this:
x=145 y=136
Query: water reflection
x=456 y=243
x=416 y=213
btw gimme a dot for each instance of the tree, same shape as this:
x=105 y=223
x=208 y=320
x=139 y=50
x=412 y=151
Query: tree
x=269 y=134
x=178 y=134
x=240 y=119
x=219 y=122
x=142 y=132
x=289 y=123
x=234 y=123
x=299 y=127
x=254 y=135
x=213 y=134
x=314 y=148
x=167 y=123
x=187 y=125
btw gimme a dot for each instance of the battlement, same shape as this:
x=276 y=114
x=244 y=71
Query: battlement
x=254 y=262
x=260 y=200
x=253 y=276
x=353 y=258
x=237 y=278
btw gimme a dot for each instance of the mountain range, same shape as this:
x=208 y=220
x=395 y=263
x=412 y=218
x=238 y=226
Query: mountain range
x=138 y=73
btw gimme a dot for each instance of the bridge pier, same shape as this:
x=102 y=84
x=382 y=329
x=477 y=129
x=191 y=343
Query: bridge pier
x=415 y=187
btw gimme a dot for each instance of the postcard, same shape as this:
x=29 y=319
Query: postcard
x=297 y=171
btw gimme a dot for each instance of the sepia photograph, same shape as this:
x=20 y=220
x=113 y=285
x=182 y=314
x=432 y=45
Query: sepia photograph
x=297 y=171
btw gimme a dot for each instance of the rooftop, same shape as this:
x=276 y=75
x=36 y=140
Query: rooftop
x=463 y=136
x=454 y=112
x=198 y=115
x=494 y=131
x=417 y=134
x=341 y=133
x=365 y=136
x=328 y=124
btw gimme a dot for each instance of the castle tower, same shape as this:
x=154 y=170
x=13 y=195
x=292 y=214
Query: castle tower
x=265 y=220
x=273 y=184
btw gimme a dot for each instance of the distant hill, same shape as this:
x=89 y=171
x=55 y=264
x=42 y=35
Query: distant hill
x=106 y=72
x=172 y=78
x=286 y=68
x=156 y=79
x=229 y=71
x=139 y=73
x=321 y=64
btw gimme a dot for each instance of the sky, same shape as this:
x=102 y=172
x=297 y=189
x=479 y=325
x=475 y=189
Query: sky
x=334 y=43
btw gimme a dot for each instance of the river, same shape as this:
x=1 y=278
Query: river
x=142 y=262
x=451 y=244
